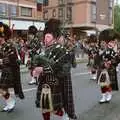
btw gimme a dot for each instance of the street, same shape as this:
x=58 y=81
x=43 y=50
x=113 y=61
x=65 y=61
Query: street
x=86 y=96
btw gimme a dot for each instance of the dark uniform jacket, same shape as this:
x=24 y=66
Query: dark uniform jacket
x=110 y=55
x=10 y=69
x=59 y=61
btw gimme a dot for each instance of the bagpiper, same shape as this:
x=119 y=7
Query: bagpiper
x=54 y=93
x=34 y=48
x=10 y=69
x=107 y=75
x=93 y=53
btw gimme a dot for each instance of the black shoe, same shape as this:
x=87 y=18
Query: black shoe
x=10 y=110
x=107 y=102
x=21 y=96
x=74 y=117
x=37 y=104
x=102 y=102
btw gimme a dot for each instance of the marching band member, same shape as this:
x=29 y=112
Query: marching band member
x=54 y=93
x=93 y=54
x=109 y=61
x=34 y=47
x=105 y=85
x=10 y=69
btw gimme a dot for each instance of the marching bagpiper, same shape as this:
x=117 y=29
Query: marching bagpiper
x=34 y=48
x=109 y=61
x=10 y=69
x=54 y=93
x=93 y=53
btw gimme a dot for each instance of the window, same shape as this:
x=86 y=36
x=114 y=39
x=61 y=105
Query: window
x=60 y=12
x=60 y=2
x=2 y=9
x=69 y=13
x=45 y=2
x=45 y=15
x=93 y=12
x=26 y=11
x=39 y=7
x=12 y=10
x=54 y=13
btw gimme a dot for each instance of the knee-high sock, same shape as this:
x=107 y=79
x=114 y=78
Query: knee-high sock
x=59 y=112
x=46 y=116
x=106 y=89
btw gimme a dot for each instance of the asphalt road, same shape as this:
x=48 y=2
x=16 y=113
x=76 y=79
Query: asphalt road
x=86 y=97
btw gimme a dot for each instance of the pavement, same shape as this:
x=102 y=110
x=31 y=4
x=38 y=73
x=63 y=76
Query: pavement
x=109 y=111
x=88 y=107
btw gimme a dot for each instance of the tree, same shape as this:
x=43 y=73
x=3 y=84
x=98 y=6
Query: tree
x=117 y=18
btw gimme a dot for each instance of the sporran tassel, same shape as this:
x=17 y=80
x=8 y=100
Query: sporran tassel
x=46 y=99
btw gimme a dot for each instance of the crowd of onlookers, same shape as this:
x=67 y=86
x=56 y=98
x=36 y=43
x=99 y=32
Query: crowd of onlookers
x=21 y=47
x=23 y=51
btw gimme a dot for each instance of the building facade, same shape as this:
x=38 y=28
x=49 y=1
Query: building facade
x=21 y=13
x=80 y=15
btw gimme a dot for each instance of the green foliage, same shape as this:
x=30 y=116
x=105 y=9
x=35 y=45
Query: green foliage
x=117 y=18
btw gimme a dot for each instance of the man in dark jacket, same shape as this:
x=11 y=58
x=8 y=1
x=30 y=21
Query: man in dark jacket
x=10 y=69
x=34 y=47
x=54 y=91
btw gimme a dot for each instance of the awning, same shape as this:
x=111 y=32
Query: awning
x=23 y=24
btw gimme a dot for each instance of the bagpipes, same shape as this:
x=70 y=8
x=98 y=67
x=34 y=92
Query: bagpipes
x=55 y=58
x=5 y=52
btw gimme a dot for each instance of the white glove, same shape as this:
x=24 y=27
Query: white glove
x=37 y=71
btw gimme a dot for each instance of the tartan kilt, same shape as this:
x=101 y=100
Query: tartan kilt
x=67 y=93
x=56 y=94
x=113 y=78
x=6 y=79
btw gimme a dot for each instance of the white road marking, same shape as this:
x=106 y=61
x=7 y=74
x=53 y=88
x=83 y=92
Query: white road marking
x=32 y=89
x=78 y=74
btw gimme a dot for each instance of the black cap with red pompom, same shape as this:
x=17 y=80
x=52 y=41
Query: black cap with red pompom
x=92 y=38
x=32 y=29
x=52 y=26
x=108 y=35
